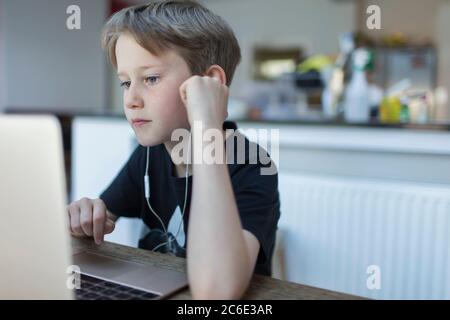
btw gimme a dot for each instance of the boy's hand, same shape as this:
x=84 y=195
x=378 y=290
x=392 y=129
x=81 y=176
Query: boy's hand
x=89 y=217
x=206 y=100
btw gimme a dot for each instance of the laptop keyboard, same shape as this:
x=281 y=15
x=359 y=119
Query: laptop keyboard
x=98 y=289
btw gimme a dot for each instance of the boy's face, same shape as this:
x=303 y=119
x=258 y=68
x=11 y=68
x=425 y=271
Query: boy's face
x=151 y=90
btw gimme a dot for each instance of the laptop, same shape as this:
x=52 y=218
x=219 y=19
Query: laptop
x=36 y=260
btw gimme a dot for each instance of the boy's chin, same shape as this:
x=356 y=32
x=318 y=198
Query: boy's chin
x=148 y=142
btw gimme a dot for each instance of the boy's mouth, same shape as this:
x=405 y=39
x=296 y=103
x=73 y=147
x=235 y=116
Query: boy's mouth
x=139 y=122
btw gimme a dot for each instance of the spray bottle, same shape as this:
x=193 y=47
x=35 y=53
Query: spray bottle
x=357 y=94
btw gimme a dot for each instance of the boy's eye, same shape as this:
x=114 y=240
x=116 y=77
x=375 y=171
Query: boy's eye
x=152 y=79
x=125 y=84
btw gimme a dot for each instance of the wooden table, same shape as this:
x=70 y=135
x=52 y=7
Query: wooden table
x=261 y=287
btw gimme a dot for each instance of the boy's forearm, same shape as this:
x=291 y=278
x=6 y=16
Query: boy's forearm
x=218 y=260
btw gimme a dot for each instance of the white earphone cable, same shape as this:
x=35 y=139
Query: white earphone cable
x=147 y=196
x=147 y=193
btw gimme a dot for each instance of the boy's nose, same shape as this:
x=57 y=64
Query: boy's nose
x=133 y=100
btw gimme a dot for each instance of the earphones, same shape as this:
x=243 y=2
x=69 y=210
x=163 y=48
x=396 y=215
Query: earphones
x=173 y=249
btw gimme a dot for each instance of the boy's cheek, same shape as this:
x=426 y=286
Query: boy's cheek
x=175 y=119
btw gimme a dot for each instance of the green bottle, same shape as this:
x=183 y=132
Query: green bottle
x=404 y=111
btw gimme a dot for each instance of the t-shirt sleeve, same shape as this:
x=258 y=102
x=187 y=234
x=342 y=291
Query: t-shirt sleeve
x=123 y=196
x=258 y=203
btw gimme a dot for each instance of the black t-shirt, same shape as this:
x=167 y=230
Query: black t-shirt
x=256 y=195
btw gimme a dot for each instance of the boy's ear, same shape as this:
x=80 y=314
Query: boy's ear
x=216 y=71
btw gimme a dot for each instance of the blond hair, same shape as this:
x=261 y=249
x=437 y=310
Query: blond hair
x=199 y=36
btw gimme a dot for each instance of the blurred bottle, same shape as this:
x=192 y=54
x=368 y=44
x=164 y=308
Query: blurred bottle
x=332 y=94
x=419 y=109
x=390 y=109
x=404 y=111
x=334 y=84
x=396 y=105
x=357 y=93
x=441 y=100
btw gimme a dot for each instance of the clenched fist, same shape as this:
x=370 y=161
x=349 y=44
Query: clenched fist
x=205 y=99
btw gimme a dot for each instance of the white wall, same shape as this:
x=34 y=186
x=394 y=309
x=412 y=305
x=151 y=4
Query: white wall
x=414 y=18
x=47 y=65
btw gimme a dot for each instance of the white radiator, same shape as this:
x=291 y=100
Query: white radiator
x=333 y=229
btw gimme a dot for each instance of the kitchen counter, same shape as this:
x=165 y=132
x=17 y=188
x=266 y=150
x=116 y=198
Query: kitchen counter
x=434 y=126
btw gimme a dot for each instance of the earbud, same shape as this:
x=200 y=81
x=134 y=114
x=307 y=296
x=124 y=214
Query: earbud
x=147 y=186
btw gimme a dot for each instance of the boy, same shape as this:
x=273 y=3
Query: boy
x=175 y=60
